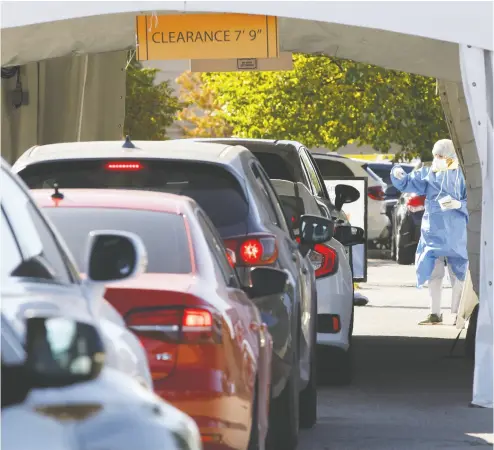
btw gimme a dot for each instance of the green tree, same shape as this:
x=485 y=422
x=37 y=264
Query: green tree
x=202 y=115
x=149 y=108
x=325 y=102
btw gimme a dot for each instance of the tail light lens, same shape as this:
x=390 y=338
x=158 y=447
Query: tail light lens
x=375 y=193
x=324 y=260
x=162 y=330
x=253 y=250
x=123 y=166
x=416 y=203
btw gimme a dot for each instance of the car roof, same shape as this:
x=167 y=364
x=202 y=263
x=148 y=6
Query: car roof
x=328 y=155
x=114 y=198
x=180 y=149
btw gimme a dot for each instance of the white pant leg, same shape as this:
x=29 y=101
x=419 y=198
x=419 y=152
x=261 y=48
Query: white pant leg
x=456 y=290
x=436 y=286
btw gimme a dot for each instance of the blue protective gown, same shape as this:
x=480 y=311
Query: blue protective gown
x=443 y=233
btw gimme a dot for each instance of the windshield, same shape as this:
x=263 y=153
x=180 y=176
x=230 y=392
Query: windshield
x=212 y=187
x=163 y=234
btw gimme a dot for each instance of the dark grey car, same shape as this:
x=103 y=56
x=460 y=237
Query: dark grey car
x=231 y=186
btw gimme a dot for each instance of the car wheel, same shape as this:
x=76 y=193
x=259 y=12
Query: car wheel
x=404 y=255
x=284 y=412
x=308 y=397
x=393 y=247
x=254 y=430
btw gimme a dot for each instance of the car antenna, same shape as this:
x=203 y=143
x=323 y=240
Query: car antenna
x=56 y=195
x=128 y=143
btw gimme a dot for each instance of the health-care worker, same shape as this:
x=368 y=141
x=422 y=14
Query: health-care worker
x=443 y=240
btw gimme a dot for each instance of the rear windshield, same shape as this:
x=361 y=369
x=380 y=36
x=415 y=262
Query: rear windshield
x=384 y=172
x=275 y=166
x=212 y=187
x=163 y=234
x=330 y=168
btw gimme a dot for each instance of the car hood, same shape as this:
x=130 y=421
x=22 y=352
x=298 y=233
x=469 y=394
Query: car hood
x=114 y=411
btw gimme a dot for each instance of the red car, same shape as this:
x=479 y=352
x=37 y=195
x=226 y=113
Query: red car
x=209 y=352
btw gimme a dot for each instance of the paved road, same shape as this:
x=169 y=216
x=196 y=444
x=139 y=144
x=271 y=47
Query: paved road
x=408 y=393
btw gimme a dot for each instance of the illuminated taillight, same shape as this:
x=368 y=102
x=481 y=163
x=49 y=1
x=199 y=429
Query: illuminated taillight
x=197 y=318
x=416 y=203
x=172 y=325
x=124 y=166
x=254 y=250
x=375 y=193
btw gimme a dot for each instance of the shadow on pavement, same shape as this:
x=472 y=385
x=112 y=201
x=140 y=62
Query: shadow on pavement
x=407 y=394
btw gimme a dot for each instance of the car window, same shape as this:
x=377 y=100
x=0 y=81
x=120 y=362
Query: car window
x=275 y=166
x=164 y=234
x=330 y=168
x=212 y=186
x=32 y=233
x=14 y=204
x=275 y=200
x=12 y=350
x=218 y=251
x=10 y=253
x=51 y=250
x=270 y=208
x=311 y=170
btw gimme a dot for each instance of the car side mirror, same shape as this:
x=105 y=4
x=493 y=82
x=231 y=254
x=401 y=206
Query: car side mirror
x=349 y=236
x=265 y=281
x=114 y=256
x=345 y=194
x=61 y=351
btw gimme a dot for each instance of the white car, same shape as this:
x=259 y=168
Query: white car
x=38 y=274
x=334 y=165
x=334 y=284
x=58 y=394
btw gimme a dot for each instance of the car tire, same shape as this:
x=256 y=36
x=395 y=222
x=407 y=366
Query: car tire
x=284 y=412
x=254 y=431
x=471 y=334
x=404 y=255
x=393 y=248
x=308 y=397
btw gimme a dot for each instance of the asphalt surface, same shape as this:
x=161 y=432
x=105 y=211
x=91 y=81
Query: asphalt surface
x=409 y=392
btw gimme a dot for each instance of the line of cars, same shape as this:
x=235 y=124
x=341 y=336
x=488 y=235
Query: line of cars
x=181 y=267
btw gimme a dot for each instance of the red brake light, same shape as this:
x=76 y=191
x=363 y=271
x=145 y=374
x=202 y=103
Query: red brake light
x=416 y=203
x=197 y=318
x=254 y=250
x=375 y=193
x=172 y=325
x=324 y=260
x=128 y=166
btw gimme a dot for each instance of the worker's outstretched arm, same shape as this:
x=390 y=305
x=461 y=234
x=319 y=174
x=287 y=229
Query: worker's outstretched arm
x=413 y=182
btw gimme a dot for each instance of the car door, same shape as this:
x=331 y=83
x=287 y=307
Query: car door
x=304 y=269
x=242 y=313
x=24 y=225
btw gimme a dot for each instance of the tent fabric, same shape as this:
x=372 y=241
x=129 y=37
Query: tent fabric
x=65 y=96
x=477 y=74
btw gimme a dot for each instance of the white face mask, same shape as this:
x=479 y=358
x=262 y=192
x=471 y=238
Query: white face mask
x=439 y=164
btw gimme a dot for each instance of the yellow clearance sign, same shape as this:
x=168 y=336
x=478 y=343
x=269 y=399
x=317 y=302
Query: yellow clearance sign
x=206 y=36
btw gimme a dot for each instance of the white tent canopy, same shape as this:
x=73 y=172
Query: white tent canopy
x=452 y=41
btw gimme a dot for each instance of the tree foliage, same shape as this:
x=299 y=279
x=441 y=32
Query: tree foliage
x=201 y=115
x=325 y=102
x=149 y=109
